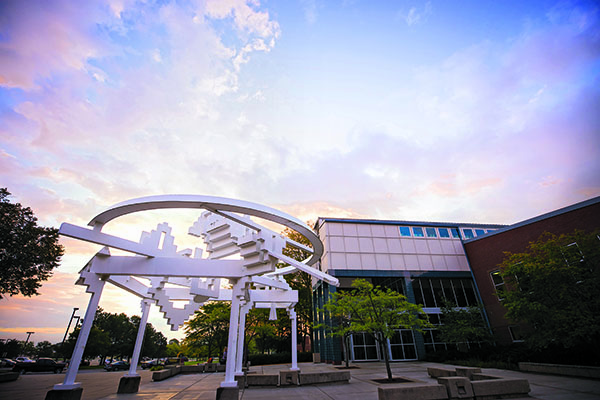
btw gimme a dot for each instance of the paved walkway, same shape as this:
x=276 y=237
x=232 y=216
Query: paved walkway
x=361 y=386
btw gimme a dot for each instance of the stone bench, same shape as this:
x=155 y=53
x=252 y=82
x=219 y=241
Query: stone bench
x=312 y=378
x=560 y=369
x=165 y=373
x=262 y=380
x=500 y=387
x=413 y=391
x=440 y=372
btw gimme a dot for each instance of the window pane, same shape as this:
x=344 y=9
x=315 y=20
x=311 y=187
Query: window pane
x=417 y=291
x=417 y=232
x=407 y=337
x=438 y=292
x=359 y=353
x=404 y=231
x=427 y=293
x=443 y=232
x=369 y=339
x=497 y=278
x=397 y=353
x=470 y=292
x=430 y=232
x=461 y=300
x=468 y=233
x=409 y=352
x=371 y=353
x=455 y=233
x=448 y=291
x=479 y=232
x=358 y=339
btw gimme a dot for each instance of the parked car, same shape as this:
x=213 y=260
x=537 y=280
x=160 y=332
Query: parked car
x=23 y=359
x=117 y=365
x=41 y=365
x=150 y=364
x=7 y=363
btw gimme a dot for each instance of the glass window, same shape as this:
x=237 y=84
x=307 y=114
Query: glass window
x=461 y=299
x=427 y=293
x=455 y=233
x=404 y=231
x=468 y=233
x=479 y=232
x=498 y=282
x=443 y=232
x=417 y=292
x=470 y=292
x=430 y=232
x=515 y=333
x=417 y=232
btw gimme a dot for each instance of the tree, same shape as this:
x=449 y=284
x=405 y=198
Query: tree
x=302 y=282
x=207 y=331
x=155 y=343
x=44 y=349
x=462 y=325
x=376 y=311
x=98 y=343
x=553 y=287
x=28 y=252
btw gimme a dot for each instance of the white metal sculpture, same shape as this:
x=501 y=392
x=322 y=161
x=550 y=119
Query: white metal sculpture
x=160 y=275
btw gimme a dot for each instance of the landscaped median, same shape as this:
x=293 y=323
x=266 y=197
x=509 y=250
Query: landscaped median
x=467 y=383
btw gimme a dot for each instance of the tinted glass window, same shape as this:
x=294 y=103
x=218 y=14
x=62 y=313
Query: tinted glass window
x=443 y=232
x=455 y=233
x=404 y=231
x=430 y=232
x=468 y=233
x=479 y=232
x=418 y=232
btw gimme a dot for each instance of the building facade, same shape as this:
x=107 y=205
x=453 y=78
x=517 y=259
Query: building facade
x=425 y=261
x=486 y=252
x=429 y=262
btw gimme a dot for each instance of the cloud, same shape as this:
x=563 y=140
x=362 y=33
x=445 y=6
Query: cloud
x=415 y=15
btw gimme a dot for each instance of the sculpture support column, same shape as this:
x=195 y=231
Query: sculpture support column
x=135 y=358
x=292 y=314
x=233 y=334
x=239 y=359
x=96 y=289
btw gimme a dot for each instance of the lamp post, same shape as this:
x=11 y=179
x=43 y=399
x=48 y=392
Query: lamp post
x=27 y=340
x=68 y=326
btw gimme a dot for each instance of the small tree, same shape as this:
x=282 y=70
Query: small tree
x=553 y=287
x=461 y=325
x=376 y=311
x=28 y=252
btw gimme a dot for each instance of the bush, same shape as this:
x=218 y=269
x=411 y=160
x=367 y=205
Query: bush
x=157 y=368
x=278 y=358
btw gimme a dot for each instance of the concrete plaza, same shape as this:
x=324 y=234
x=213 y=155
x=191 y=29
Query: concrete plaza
x=361 y=386
x=103 y=385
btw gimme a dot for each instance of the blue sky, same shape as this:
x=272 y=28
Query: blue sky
x=473 y=111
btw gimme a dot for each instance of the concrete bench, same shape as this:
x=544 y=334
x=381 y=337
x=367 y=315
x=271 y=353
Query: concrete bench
x=440 y=372
x=192 y=369
x=559 y=369
x=210 y=367
x=457 y=387
x=496 y=388
x=262 y=380
x=323 y=377
x=412 y=391
x=467 y=371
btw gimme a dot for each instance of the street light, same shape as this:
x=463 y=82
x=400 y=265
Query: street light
x=27 y=340
x=68 y=326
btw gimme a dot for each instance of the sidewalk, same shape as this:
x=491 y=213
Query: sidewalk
x=361 y=387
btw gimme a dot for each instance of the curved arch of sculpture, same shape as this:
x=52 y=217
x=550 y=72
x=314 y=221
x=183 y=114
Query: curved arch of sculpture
x=218 y=205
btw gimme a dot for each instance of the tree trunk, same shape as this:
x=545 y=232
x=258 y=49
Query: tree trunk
x=347 y=347
x=386 y=357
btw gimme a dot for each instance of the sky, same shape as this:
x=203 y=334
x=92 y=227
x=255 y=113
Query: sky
x=464 y=111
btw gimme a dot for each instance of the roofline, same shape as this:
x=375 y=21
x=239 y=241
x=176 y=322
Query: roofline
x=410 y=223
x=560 y=211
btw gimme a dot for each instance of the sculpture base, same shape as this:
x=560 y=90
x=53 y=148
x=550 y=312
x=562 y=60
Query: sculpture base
x=129 y=384
x=228 y=393
x=65 y=394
